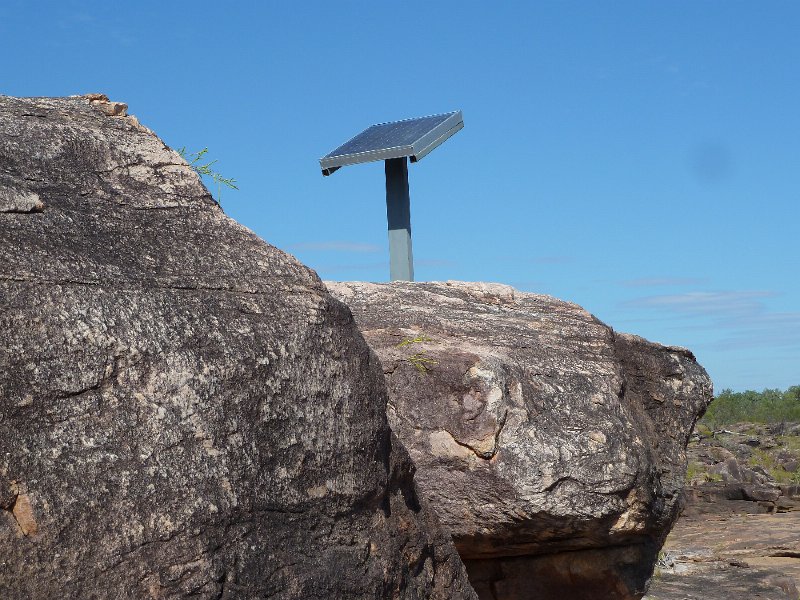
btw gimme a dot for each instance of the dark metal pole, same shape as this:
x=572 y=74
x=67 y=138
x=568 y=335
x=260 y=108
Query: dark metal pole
x=398 y=214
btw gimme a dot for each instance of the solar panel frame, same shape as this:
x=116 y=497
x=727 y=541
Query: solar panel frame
x=416 y=150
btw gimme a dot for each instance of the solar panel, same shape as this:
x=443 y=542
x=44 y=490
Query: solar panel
x=412 y=137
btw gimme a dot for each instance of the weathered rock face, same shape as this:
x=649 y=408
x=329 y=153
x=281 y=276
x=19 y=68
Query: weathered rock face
x=184 y=410
x=553 y=448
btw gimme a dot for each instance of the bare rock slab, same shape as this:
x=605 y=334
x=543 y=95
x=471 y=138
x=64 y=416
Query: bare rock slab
x=184 y=410
x=710 y=557
x=552 y=447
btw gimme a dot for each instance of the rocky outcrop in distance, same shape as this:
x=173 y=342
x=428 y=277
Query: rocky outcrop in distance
x=184 y=410
x=737 y=536
x=553 y=448
x=746 y=468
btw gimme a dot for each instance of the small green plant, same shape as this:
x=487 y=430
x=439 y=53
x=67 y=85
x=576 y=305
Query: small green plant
x=703 y=430
x=417 y=340
x=794 y=479
x=696 y=471
x=791 y=443
x=203 y=169
x=419 y=361
x=693 y=470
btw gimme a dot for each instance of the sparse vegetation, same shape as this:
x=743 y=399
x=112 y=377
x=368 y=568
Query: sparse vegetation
x=765 y=460
x=693 y=470
x=769 y=462
x=417 y=340
x=662 y=562
x=696 y=471
x=197 y=162
x=703 y=430
x=419 y=360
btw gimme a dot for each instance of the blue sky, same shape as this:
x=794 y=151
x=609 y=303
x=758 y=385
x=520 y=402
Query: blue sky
x=638 y=158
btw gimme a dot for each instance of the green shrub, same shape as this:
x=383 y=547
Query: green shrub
x=704 y=430
x=196 y=162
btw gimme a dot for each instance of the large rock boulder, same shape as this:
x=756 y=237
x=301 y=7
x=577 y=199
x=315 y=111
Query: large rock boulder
x=551 y=446
x=184 y=410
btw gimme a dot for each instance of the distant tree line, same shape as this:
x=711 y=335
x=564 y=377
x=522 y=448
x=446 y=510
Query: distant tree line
x=769 y=406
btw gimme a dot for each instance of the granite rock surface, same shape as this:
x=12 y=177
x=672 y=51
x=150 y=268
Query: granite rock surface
x=552 y=447
x=184 y=410
x=722 y=555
